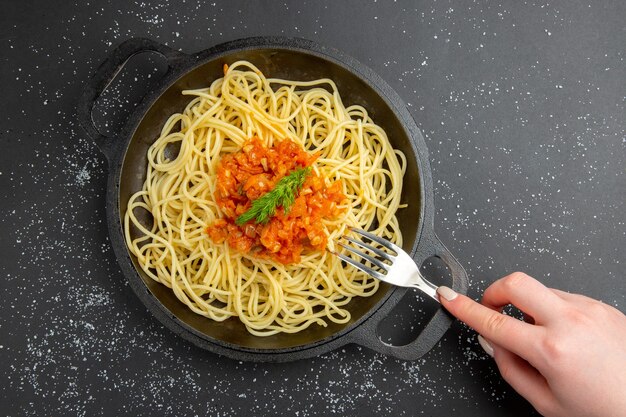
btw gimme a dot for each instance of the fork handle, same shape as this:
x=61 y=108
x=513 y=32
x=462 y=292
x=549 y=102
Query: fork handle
x=367 y=334
x=424 y=285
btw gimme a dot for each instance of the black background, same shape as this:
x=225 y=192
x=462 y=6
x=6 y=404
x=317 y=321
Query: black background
x=522 y=107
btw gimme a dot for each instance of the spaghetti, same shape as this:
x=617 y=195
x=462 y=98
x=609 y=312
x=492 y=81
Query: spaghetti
x=180 y=193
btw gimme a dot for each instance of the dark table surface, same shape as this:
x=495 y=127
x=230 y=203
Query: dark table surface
x=522 y=107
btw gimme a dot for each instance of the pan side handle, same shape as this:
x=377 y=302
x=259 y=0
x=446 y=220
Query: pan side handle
x=106 y=73
x=367 y=334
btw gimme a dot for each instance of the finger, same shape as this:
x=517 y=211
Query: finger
x=524 y=378
x=526 y=317
x=526 y=293
x=506 y=331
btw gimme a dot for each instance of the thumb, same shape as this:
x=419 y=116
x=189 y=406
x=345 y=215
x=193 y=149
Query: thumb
x=524 y=378
x=512 y=338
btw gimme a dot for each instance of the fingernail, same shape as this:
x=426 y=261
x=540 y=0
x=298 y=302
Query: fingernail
x=485 y=345
x=447 y=293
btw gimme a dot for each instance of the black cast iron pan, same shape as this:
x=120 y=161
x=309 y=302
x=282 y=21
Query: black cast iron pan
x=289 y=58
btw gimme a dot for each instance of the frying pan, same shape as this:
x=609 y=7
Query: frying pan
x=289 y=58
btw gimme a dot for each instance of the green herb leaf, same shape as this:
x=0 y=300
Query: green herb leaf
x=283 y=194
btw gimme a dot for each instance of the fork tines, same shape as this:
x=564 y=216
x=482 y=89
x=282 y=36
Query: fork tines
x=385 y=256
x=383 y=242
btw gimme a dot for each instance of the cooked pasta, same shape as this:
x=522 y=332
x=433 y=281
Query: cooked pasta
x=180 y=194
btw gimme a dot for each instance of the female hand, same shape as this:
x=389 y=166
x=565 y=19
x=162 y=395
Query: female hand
x=568 y=359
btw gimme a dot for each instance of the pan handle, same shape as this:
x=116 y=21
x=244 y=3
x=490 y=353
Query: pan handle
x=367 y=334
x=107 y=72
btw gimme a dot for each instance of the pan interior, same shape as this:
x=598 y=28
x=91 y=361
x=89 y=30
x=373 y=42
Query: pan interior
x=275 y=63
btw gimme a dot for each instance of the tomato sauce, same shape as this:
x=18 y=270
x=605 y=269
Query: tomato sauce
x=246 y=175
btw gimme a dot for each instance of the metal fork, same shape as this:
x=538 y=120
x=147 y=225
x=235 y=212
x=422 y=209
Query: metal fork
x=400 y=270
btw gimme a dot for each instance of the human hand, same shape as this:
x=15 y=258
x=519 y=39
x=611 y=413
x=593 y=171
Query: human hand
x=568 y=359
